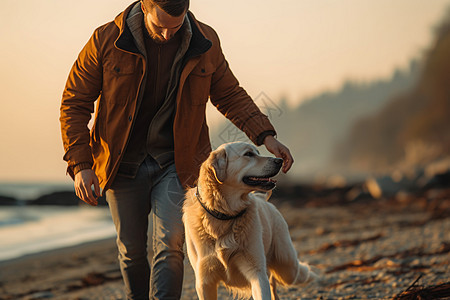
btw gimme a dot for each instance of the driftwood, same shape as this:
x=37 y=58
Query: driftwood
x=417 y=292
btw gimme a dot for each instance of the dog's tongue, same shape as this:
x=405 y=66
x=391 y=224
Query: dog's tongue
x=264 y=179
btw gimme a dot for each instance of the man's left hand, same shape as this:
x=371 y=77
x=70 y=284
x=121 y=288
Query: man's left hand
x=280 y=151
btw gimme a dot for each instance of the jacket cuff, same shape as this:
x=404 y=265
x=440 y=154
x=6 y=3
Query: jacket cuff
x=263 y=135
x=81 y=166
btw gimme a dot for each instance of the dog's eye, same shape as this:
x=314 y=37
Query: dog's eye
x=249 y=153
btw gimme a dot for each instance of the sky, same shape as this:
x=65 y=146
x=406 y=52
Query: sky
x=287 y=48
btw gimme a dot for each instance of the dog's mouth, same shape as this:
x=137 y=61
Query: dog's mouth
x=264 y=182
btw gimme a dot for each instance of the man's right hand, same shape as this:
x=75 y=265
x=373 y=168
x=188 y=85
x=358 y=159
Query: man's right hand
x=84 y=180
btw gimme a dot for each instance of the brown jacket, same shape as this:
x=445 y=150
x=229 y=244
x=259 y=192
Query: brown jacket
x=111 y=69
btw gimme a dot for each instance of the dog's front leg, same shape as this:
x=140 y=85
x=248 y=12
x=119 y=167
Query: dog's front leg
x=207 y=277
x=261 y=287
x=256 y=276
x=273 y=287
x=206 y=291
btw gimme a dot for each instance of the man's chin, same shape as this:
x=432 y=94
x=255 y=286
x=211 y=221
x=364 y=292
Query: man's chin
x=157 y=39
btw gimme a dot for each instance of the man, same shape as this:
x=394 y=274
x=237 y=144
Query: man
x=151 y=71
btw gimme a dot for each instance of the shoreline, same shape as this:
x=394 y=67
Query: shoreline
x=58 y=273
x=83 y=246
x=31 y=230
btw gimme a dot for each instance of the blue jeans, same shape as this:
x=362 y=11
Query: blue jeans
x=130 y=201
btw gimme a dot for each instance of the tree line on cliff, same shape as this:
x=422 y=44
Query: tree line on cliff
x=367 y=127
x=413 y=128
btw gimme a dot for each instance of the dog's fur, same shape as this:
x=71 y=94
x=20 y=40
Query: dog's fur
x=249 y=254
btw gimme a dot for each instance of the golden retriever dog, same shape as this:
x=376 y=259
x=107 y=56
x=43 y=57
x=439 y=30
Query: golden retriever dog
x=233 y=235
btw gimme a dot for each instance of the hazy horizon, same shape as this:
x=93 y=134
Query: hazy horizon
x=293 y=50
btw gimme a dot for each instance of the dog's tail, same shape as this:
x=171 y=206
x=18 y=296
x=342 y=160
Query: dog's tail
x=304 y=274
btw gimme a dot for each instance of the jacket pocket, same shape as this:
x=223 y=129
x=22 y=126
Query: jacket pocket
x=120 y=80
x=120 y=66
x=199 y=83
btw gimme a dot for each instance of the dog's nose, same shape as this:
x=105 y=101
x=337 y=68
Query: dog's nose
x=278 y=161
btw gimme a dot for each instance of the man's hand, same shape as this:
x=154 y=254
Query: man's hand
x=83 y=186
x=280 y=151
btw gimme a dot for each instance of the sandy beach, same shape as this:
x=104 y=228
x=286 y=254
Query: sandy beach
x=364 y=249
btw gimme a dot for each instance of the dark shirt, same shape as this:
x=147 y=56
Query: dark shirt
x=160 y=58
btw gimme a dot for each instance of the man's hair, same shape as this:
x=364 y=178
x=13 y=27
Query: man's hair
x=174 y=8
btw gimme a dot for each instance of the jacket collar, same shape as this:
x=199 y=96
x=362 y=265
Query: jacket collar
x=135 y=23
x=130 y=21
x=125 y=41
x=199 y=43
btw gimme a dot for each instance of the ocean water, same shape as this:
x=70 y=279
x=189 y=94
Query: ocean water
x=26 y=230
x=32 y=190
x=32 y=229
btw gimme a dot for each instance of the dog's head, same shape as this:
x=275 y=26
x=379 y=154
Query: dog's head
x=239 y=165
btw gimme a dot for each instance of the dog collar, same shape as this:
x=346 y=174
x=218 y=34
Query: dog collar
x=217 y=214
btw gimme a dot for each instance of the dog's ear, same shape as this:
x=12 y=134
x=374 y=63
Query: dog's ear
x=219 y=163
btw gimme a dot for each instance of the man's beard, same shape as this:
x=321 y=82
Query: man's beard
x=156 y=38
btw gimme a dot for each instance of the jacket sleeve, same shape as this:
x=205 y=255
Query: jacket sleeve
x=234 y=103
x=82 y=89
